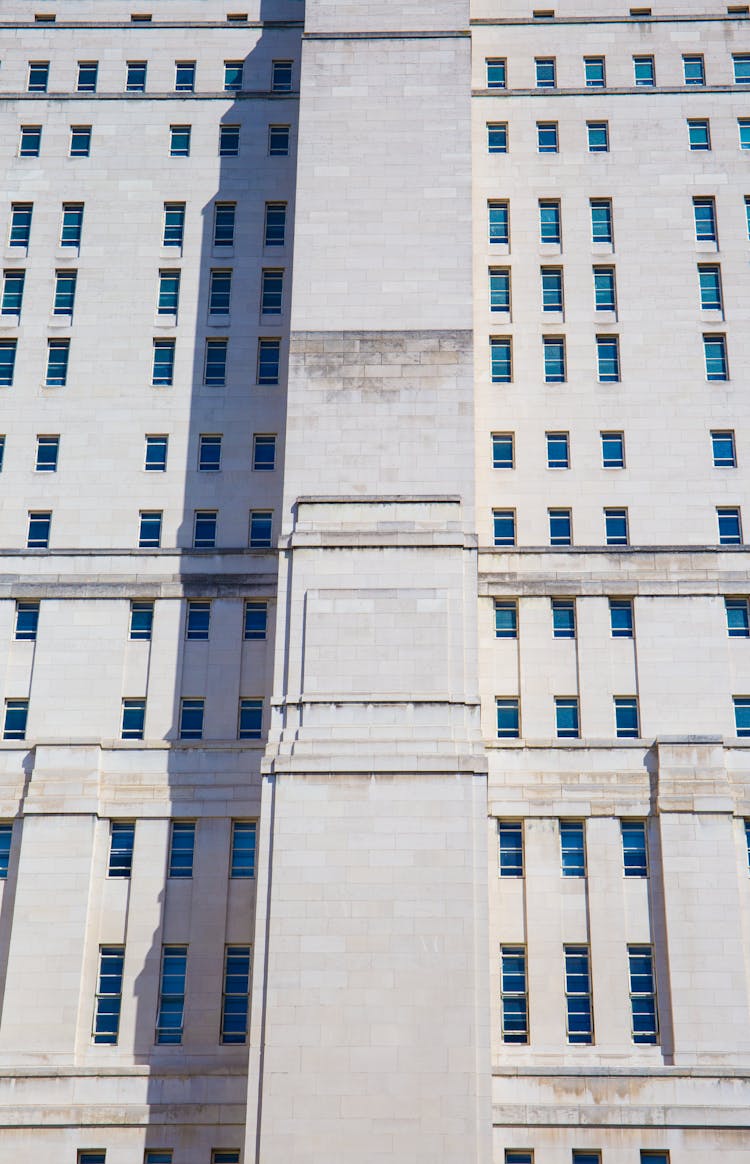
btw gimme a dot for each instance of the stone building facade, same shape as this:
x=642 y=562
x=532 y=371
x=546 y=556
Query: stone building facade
x=373 y=592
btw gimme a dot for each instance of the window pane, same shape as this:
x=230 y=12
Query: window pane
x=613 y=450
x=496 y=74
x=500 y=361
x=229 y=141
x=626 y=718
x=278 y=141
x=504 y=527
x=498 y=221
x=552 y=289
x=242 y=863
x=563 y=618
x=13 y=284
x=560 y=527
x=722 y=445
x=507 y=718
x=572 y=848
x=6 y=838
x=497 y=138
x=27 y=621
x=510 y=839
x=156 y=454
x=220 y=293
x=502 y=450
x=738 y=618
x=256 y=620
x=621 y=618
x=251 y=719
x=191 y=719
x=181 y=849
x=141 y=620
x=121 y=842
x=558 y=454
x=198 y=620
x=634 y=848
x=261 y=521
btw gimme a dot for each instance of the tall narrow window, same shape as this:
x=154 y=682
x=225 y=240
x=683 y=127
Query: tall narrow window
x=47 y=451
x=699 y=134
x=693 y=69
x=549 y=221
x=552 y=289
x=269 y=359
x=278 y=141
x=503 y=453
x=179 y=141
x=6 y=840
x=545 y=73
x=156 y=454
x=514 y=996
x=510 y=845
x=704 y=212
x=80 y=141
x=580 y=1025
x=163 y=366
x=108 y=995
x=31 y=141
x=198 y=620
x=65 y=292
x=191 y=719
x=741 y=63
x=13 y=284
x=643 y=994
x=500 y=360
x=174 y=224
x=220 y=292
x=504 y=527
x=40 y=524
x=256 y=619
x=184 y=76
x=16 y=716
x=271 y=292
x=621 y=618
x=27 y=621
x=644 y=71
x=281 y=76
x=634 y=851
x=560 y=527
x=604 y=289
x=141 y=620
x=498 y=215
x=627 y=724
x=275 y=224
x=496 y=73
x=497 y=137
x=7 y=361
x=250 y=725
x=594 y=72
x=72 y=224
x=572 y=848
x=171 y=1006
x=244 y=844
x=229 y=141
x=506 y=619
x=598 y=136
x=149 y=535
x=601 y=220
x=87 y=75
x=181 y=848
x=546 y=137
x=235 y=998
x=261 y=528
x=613 y=450
x=730 y=525
x=58 y=351
x=224 y=217
x=508 y=719
x=563 y=618
x=738 y=617
x=608 y=359
x=209 y=453
x=264 y=452
x=233 y=76
x=133 y=719
x=20 y=224
x=169 y=292
x=558 y=450
x=554 y=359
x=723 y=449
x=215 y=366
x=715 y=352
x=121 y=843
x=38 y=77
x=135 y=77
x=741 y=722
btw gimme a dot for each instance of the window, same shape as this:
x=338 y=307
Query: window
x=496 y=73
x=741 y=721
x=242 y=859
x=181 y=848
x=709 y=278
x=643 y=68
x=498 y=214
x=27 y=621
x=204 y=529
x=281 y=77
x=513 y=997
x=169 y=292
x=141 y=620
x=497 y=137
x=269 y=356
x=504 y=527
x=275 y=224
x=232 y=76
x=634 y=852
x=31 y=141
x=513 y=1157
x=47 y=449
x=704 y=211
x=135 y=77
x=722 y=447
x=6 y=838
x=699 y=135
x=738 y=618
x=224 y=215
x=594 y=72
x=72 y=224
x=16 y=714
x=250 y=719
x=598 y=136
x=621 y=618
x=170 y=1015
x=715 y=352
x=174 y=224
x=508 y=720
x=743 y=125
x=20 y=224
x=510 y=843
x=271 y=292
x=184 y=76
x=545 y=73
x=149 y=534
x=500 y=360
x=552 y=289
x=191 y=719
x=235 y=997
x=278 y=141
x=546 y=137
x=121 y=842
x=643 y=994
x=730 y=526
x=654 y=1157
x=39 y=530
x=156 y=454
x=627 y=726
x=256 y=619
x=7 y=362
x=741 y=62
x=608 y=359
x=616 y=527
x=560 y=527
x=558 y=450
x=503 y=450
x=65 y=292
x=693 y=70
x=157 y=1156
x=260 y=528
x=220 y=292
x=107 y=1011
x=198 y=620
x=580 y=1026
x=163 y=366
x=133 y=719
x=554 y=359
x=38 y=76
x=613 y=450
x=179 y=141
x=572 y=848
x=87 y=73
x=2 y=451
x=563 y=618
x=215 y=369
x=601 y=220
x=229 y=141
x=264 y=452
x=56 y=375
x=506 y=620
x=549 y=221
x=218 y=1156
x=587 y=1158
x=209 y=453
x=13 y=284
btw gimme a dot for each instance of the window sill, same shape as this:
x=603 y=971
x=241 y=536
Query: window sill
x=553 y=316
x=60 y=320
x=17 y=252
x=171 y=252
x=218 y=320
x=606 y=317
x=67 y=252
x=165 y=320
x=9 y=320
x=499 y=248
x=548 y=248
x=712 y=315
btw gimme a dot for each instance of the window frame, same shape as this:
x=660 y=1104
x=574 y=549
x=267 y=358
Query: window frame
x=514 y=1003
